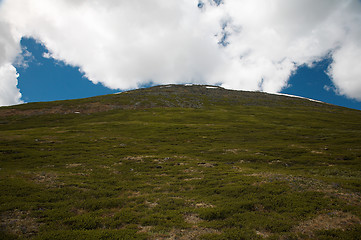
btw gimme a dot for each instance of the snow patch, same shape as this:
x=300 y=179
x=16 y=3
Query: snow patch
x=294 y=96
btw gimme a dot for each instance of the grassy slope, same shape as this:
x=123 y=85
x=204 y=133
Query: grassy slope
x=177 y=161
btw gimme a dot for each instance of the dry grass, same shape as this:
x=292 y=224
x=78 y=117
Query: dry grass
x=334 y=220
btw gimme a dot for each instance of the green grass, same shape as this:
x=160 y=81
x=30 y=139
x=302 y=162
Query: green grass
x=180 y=162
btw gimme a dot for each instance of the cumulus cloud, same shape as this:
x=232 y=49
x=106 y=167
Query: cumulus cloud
x=9 y=49
x=239 y=44
x=345 y=71
x=122 y=44
x=274 y=37
x=9 y=93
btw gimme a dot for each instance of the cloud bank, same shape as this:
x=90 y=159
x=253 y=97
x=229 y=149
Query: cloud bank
x=238 y=44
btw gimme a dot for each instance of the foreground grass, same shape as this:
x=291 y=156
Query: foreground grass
x=201 y=171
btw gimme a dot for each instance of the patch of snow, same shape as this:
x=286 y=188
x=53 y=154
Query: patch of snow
x=212 y=87
x=77 y=112
x=313 y=100
x=294 y=96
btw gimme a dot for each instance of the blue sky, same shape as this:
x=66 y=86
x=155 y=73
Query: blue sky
x=46 y=79
x=310 y=83
x=254 y=45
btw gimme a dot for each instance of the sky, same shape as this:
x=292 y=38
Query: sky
x=67 y=49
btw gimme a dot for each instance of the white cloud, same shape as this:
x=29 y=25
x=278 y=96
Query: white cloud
x=22 y=60
x=345 y=70
x=327 y=88
x=47 y=55
x=9 y=93
x=9 y=48
x=277 y=36
x=124 y=44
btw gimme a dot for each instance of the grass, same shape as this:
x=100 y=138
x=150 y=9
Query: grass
x=180 y=162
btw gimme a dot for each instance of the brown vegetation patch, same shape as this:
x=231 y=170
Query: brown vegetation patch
x=238 y=169
x=45 y=140
x=201 y=205
x=308 y=184
x=259 y=208
x=151 y=204
x=275 y=162
x=192 y=179
x=47 y=178
x=260 y=174
x=205 y=164
x=317 y=152
x=19 y=223
x=180 y=157
x=192 y=218
x=186 y=234
x=192 y=170
x=89 y=108
x=350 y=198
x=104 y=166
x=234 y=151
x=263 y=234
x=145 y=229
x=133 y=194
x=78 y=211
x=334 y=220
x=134 y=158
x=73 y=165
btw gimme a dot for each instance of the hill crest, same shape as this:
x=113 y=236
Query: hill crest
x=165 y=96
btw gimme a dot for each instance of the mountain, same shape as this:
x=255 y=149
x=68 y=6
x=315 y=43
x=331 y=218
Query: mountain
x=184 y=96
x=180 y=162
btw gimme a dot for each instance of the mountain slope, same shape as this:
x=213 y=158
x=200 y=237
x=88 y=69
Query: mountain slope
x=191 y=96
x=180 y=162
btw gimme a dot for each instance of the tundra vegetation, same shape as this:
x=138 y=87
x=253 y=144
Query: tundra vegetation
x=180 y=162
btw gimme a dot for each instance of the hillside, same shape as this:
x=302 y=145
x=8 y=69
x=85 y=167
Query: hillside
x=180 y=162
